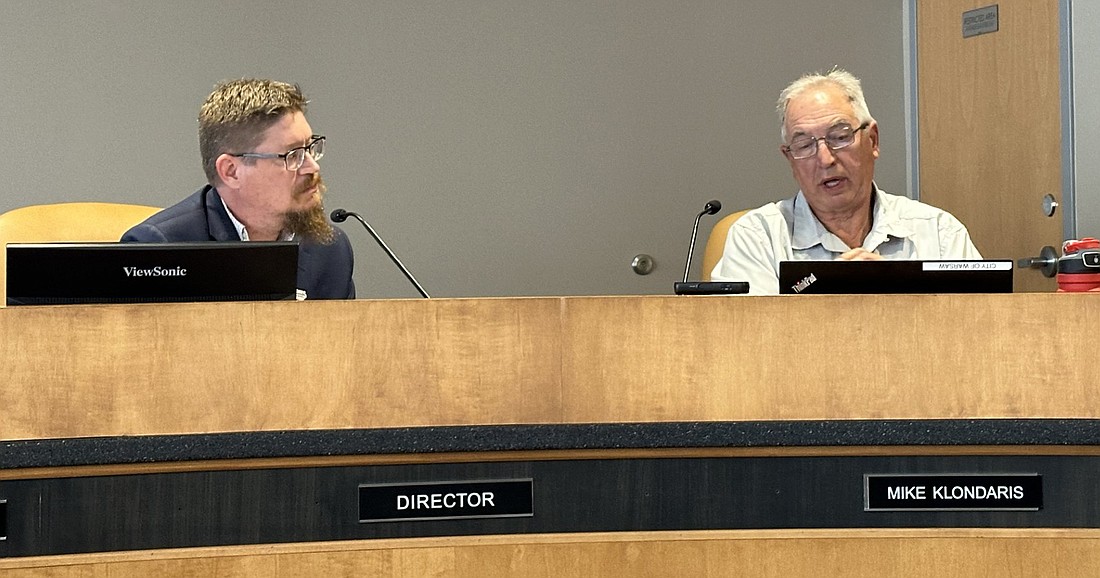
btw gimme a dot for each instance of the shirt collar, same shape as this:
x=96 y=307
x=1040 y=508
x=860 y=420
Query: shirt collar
x=239 y=226
x=808 y=230
x=887 y=222
x=243 y=232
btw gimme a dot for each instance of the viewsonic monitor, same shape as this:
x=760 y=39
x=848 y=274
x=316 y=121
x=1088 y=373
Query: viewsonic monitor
x=68 y=273
x=841 y=277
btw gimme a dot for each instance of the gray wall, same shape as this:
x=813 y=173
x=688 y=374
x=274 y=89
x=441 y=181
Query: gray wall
x=1085 y=30
x=501 y=147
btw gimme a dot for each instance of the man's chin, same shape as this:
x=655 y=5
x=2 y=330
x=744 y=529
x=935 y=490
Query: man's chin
x=310 y=224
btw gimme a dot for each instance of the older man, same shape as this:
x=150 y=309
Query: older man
x=264 y=184
x=831 y=143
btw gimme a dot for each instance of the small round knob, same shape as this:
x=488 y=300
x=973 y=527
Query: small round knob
x=643 y=264
x=1050 y=205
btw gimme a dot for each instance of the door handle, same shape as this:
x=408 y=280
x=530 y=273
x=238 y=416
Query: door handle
x=1046 y=262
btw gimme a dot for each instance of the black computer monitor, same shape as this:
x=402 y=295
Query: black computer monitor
x=68 y=273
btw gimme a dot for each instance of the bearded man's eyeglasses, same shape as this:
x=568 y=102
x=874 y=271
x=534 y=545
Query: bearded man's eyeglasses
x=295 y=157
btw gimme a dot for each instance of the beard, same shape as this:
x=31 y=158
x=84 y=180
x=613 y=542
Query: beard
x=311 y=224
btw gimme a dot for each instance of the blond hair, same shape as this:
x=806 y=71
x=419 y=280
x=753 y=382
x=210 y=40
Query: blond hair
x=235 y=116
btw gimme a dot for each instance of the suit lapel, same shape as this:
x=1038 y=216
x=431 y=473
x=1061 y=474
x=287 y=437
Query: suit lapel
x=217 y=219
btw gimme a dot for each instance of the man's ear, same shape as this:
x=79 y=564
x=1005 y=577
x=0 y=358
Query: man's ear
x=783 y=151
x=872 y=133
x=227 y=167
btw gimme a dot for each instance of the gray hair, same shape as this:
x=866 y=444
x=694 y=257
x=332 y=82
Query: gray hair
x=840 y=78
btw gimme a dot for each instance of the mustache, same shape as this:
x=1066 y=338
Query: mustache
x=314 y=181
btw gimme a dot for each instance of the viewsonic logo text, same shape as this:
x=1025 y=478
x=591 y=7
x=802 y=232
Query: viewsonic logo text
x=157 y=271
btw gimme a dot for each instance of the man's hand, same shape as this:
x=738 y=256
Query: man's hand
x=860 y=254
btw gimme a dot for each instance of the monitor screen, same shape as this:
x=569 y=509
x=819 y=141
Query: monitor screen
x=66 y=273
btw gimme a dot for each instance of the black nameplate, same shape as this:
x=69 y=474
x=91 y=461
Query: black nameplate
x=952 y=492
x=446 y=500
x=3 y=519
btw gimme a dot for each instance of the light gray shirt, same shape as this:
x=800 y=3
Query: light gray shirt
x=788 y=230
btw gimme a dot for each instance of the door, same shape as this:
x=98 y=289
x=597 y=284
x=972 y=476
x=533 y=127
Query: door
x=989 y=115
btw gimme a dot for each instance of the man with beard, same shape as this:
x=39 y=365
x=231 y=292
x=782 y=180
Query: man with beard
x=831 y=142
x=260 y=157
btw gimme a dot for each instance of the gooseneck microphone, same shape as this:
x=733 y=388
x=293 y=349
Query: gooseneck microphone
x=340 y=215
x=686 y=287
x=710 y=208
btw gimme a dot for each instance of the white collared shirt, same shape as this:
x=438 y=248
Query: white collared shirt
x=239 y=226
x=788 y=230
x=242 y=232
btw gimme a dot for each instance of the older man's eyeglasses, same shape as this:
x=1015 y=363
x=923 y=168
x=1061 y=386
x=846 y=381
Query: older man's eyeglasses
x=838 y=137
x=295 y=157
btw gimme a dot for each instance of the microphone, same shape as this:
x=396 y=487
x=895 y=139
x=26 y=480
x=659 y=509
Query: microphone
x=340 y=215
x=706 y=287
x=710 y=208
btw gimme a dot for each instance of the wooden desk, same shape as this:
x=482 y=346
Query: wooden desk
x=621 y=382
x=198 y=368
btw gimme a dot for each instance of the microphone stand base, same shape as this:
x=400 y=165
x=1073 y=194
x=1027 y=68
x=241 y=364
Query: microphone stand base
x=711 y=287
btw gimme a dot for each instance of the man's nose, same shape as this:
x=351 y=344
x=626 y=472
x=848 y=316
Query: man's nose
x=825 y=155
x=309 y=165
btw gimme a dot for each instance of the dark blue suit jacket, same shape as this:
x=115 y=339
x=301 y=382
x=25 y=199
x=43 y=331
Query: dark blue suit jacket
x=324 y=271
